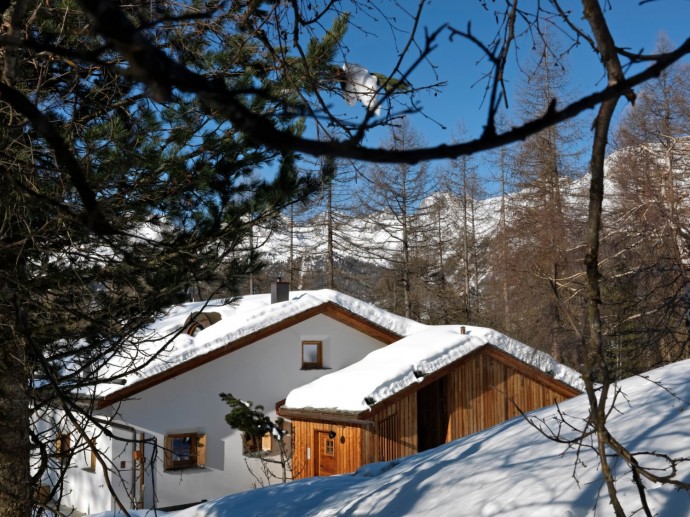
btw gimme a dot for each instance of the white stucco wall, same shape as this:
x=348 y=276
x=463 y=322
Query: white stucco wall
x=84 y=486
x=263 y=372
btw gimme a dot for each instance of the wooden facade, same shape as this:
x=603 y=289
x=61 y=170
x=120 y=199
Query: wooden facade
x=478 y=391
x=312 y=452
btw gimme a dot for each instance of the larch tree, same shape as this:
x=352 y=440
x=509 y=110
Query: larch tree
x=498 y=281
x=457 y=241
x=330 y=221
x=390 y=208
x=543 y=226
x=647 y=243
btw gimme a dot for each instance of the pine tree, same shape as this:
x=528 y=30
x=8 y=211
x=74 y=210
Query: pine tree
x=257 y=428
x=116 y=199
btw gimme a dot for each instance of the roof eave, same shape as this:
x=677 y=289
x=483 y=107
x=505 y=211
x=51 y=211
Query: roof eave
x=361 y=418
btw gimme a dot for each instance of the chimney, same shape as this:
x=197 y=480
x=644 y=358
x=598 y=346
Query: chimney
x=462 y=329
x=280 y=291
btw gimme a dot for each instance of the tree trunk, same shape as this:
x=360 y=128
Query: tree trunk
x=504 y=244
x=15 y=479
x=330 y=262
x=596 y=360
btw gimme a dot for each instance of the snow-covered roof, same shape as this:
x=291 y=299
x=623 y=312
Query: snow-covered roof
x=241 y=319
x=391 y=369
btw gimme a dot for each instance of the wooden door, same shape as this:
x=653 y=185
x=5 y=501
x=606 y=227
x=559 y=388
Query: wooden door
x=326 y=464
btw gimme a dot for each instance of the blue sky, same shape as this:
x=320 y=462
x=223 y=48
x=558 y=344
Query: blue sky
x=633 y=25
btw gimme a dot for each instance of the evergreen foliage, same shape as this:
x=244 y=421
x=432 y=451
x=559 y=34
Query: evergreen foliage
x=118 y=200
x=250 y=420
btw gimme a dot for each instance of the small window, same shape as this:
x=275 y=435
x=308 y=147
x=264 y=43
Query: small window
x=62 y=446
x=329 y=447
x=312 y=355
x=258 y=445
x=90 y=460
x=199 y=321
x=267 y=442
x=185 y=451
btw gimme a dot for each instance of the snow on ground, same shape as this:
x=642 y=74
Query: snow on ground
x=509 y=469
x=391 y=369
x=241 y=318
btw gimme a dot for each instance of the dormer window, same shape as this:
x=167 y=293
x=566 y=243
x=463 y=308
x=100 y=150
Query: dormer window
x=312 y=355
x=199 y=321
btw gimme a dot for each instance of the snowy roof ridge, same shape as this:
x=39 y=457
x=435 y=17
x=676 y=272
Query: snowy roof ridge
x=228 y=330
x=397 y=324
x=389 y=370
x=247 y=316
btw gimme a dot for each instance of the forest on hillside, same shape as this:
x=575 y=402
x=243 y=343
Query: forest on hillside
x=434 y=244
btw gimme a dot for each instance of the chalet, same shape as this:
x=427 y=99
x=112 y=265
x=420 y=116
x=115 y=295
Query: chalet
x=431 y=387
x=171 y=443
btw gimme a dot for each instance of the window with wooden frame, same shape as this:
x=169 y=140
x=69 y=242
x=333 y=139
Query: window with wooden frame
x=90 y=459
x=185 y=450
x=63 y=443
x=312 y=355
x=267 y=442
x=257 y=445
x=329 y=447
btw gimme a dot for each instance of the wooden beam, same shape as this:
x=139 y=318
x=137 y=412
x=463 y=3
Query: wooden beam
x=315 y=415
x=360 y=323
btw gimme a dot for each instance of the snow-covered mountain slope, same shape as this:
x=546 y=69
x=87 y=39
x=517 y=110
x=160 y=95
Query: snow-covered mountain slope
x=376 y=238
x=507 y=470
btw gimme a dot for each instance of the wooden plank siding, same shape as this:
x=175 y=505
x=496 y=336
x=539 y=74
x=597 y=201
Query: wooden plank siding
x=484 y=388
x=484 y=391
x=404 y=415
x=348 y=447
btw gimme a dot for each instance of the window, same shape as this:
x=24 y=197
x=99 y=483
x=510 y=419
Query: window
x=62 y=446
x=257 y=445
x=267 y=442
x=184 y=451
x=312 y=355
x=90 y=460
x=329 y=447
x=200 y=321
x=42 y=494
